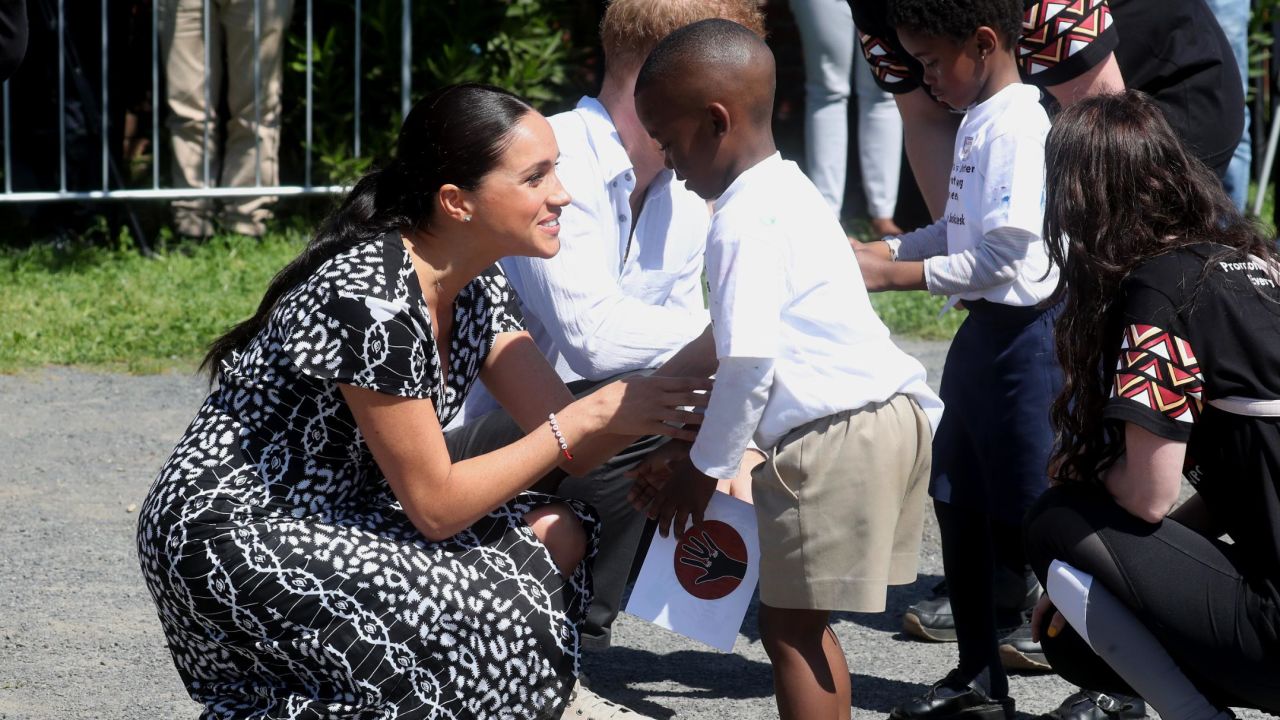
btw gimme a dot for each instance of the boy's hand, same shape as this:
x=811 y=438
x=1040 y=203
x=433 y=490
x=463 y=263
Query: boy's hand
x=867 y=251
x=653 y=472
x=686 y=495
x=879 y=273
x=683 y=492
x=875 y=266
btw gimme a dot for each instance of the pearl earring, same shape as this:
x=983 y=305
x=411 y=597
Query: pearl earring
x=466 y=218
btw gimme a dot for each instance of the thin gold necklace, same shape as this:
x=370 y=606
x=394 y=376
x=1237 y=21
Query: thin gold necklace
x=413 y=243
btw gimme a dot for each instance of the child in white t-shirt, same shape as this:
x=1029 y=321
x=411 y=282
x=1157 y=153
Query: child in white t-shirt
x=805 y=367
x=991 y=451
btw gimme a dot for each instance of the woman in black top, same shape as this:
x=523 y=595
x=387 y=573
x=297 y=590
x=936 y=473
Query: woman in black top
x=312 y=549
x=1170 y=345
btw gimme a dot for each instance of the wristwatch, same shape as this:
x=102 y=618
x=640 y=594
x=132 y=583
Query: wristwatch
x=894 y=243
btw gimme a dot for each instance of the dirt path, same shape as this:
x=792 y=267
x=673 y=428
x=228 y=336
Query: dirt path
x=78 y=633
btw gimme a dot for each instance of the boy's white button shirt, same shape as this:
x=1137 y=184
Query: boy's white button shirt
x=611 y=301
x=790 y=314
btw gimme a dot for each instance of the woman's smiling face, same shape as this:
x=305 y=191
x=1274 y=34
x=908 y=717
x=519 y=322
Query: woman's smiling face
x=519 y=202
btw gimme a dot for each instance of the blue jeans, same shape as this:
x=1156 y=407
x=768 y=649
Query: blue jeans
x=831 y=54
x=1233 y=16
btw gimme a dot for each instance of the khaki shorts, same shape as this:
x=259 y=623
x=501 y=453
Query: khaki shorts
x=840 y=504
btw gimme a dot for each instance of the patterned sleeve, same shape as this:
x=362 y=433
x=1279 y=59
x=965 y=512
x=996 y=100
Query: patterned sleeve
x=1062 y=39
x=365 y=341
x=1158 y=383
x=893 y=69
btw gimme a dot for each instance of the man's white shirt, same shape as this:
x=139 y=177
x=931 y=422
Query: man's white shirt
x=611 y=301
x=795 y=332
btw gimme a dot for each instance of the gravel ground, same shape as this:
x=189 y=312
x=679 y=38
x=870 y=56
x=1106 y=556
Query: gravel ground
x=79 y=636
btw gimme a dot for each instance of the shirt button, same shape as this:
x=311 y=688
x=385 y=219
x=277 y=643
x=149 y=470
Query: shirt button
x=622 y=218
x=628 y=176
x=615 y=183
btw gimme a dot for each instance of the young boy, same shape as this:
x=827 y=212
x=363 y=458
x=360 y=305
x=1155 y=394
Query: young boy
x=804 y=365
x=991 y=451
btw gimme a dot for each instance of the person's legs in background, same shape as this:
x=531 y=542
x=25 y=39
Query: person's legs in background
x=879 y=148
x=826 y=34
x=253 y=122
x=1233 y=16
x=193 y=90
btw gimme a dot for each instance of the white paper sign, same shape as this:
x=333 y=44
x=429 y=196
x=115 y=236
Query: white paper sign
x=699 y=583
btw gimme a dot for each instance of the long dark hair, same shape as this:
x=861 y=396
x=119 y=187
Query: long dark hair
x=1121 y=188
x=455 y=135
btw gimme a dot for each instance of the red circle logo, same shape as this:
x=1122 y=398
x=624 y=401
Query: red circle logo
x=710 y=559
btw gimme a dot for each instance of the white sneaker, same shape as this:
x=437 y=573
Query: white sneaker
x=586 y=705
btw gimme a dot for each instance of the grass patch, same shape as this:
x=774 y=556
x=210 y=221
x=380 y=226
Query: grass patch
x=915 y=314
x=114 y=309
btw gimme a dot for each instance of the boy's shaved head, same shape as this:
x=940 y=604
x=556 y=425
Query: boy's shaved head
x=713 y=60
x=705 y=94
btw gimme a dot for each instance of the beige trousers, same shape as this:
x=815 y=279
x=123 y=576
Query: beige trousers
x=249 y=155
x=840 y=505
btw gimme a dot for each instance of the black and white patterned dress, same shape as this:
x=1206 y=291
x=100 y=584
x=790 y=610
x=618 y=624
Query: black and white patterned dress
x=289 y=581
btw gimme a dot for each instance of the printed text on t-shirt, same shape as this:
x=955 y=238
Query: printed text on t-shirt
x=957 y=184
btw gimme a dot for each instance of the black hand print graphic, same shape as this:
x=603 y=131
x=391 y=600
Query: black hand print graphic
x=708 y=557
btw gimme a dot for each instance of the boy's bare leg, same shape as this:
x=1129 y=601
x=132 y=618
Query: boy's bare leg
x=839 y=671
x=810 y=676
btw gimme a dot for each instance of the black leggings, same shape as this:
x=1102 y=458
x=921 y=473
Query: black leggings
x=1187 y=588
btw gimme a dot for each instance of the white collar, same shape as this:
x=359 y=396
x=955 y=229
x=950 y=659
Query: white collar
x=996 y=104
x=763 y=168
x=614 y=160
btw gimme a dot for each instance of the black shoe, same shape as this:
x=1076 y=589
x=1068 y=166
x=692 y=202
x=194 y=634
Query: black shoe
x=953 y=697
x=1019 y=652
x=931 y=619
x=1091 y=705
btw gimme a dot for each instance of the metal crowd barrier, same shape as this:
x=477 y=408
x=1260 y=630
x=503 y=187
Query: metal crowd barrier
x=258 y=189
x=156 y=191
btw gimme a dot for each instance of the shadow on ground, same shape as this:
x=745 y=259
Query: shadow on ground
x=899 y=599
x=641 y=680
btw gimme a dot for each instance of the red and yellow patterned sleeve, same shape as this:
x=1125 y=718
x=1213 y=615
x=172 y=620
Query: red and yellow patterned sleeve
x=1062 y=39
x=888 y=64
x=1158 y=382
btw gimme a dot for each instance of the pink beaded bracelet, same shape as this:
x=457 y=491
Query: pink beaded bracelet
x=555 y=430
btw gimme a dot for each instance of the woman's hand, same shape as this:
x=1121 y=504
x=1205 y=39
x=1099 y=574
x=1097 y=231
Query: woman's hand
x=649 y=406
x=1044 y=605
